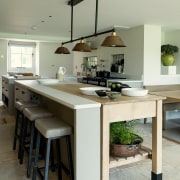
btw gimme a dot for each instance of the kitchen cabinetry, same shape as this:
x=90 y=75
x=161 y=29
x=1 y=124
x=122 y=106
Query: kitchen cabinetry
x=8 y=93
x=23 y=94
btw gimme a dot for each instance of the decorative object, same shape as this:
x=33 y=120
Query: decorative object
x=117 y=86
x=113 y=94
x=167 y=56
x=123 y=140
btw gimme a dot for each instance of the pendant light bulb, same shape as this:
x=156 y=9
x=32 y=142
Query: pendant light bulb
x=62 y=50
x=82 y=47
x=113 y=41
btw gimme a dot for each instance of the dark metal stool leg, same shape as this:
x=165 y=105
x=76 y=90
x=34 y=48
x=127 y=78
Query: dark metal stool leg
x=71 y=171
x=22 y=143
x=30 y=150
x=59 y=159
x=46 y=171
x=16 y=130
x=21 y=134
x=52 y=158
x=36 y=156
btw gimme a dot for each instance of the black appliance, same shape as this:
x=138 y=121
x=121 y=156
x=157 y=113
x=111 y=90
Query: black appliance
x=99 y=81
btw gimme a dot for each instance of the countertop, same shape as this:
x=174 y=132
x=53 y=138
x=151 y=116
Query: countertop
x=70 y=100
x=70 y=95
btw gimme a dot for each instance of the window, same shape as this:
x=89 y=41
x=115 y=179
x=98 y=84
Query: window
x=21 y=57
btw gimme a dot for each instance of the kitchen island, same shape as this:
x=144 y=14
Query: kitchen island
x=91 y=116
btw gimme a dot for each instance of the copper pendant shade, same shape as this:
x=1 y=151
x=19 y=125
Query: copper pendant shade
x=62 y=50
x=82 y=47
x=113 y=41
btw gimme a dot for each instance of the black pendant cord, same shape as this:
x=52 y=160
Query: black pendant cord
x=96 y=22
x=96 y=18
x=72 y=19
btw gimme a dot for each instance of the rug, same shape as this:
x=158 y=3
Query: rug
x=172 y=132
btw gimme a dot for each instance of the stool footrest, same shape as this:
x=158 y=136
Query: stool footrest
x=66 y=170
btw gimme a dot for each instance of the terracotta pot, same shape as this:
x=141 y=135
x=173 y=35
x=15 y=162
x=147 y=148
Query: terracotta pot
x=124 y=150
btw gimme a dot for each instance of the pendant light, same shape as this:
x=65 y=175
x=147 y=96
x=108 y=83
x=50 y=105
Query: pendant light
x=62 y=50
x=110 y=41
x=113 y=41
x=82 y=47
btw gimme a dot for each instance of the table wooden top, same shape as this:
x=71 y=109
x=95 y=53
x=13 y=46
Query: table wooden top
x=170 y=95
x=74 y=89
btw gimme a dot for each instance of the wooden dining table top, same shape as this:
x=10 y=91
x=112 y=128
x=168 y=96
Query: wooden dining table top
x=170 y=95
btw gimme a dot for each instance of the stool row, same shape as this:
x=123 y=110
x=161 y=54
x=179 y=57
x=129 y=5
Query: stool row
x=37 y=119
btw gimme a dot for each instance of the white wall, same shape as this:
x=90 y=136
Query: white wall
x=154 y=37
x=152 y=53
x=3 y=61
x=49 y=62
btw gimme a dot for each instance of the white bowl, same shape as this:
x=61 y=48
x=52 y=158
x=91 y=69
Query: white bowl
x=134 y=91
x=91 y=90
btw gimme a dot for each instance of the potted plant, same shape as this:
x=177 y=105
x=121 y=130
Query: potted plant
x=167 y=56
x=124 y=141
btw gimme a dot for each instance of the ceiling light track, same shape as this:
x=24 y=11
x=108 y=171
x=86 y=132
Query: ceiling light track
x=89 y=36
x=110 y=41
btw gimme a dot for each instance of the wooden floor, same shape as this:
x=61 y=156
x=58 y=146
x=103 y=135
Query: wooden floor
x=10 y=169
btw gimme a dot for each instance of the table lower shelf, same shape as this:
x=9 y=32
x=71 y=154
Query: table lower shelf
x=144 y=153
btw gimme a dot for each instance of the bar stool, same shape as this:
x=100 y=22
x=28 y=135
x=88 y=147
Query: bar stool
x=53 y=129
x=19 y=106
x=30 y=115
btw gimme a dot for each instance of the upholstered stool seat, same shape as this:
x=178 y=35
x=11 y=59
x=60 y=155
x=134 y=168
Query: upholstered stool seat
x=19 y=106
x=53 y=129
x=31 y=114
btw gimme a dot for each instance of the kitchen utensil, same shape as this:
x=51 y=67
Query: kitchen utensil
x=101 y=93
x=113 y=94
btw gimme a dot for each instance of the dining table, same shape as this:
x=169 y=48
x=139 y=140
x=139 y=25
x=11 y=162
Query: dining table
x=96 y=164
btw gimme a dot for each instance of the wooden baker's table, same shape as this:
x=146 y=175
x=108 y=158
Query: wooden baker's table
x=125 y=108
x=91 y=117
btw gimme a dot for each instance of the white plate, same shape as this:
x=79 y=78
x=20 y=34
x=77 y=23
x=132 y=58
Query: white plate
x=91 y=90
x=134 y=91
x=48 y=81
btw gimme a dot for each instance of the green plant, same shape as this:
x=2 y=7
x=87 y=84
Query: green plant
x=124 y=133
x=169 y=49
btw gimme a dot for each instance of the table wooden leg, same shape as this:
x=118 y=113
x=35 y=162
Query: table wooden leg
x=157 y=143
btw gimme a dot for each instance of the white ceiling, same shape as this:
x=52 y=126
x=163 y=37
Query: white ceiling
x=19 y=16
